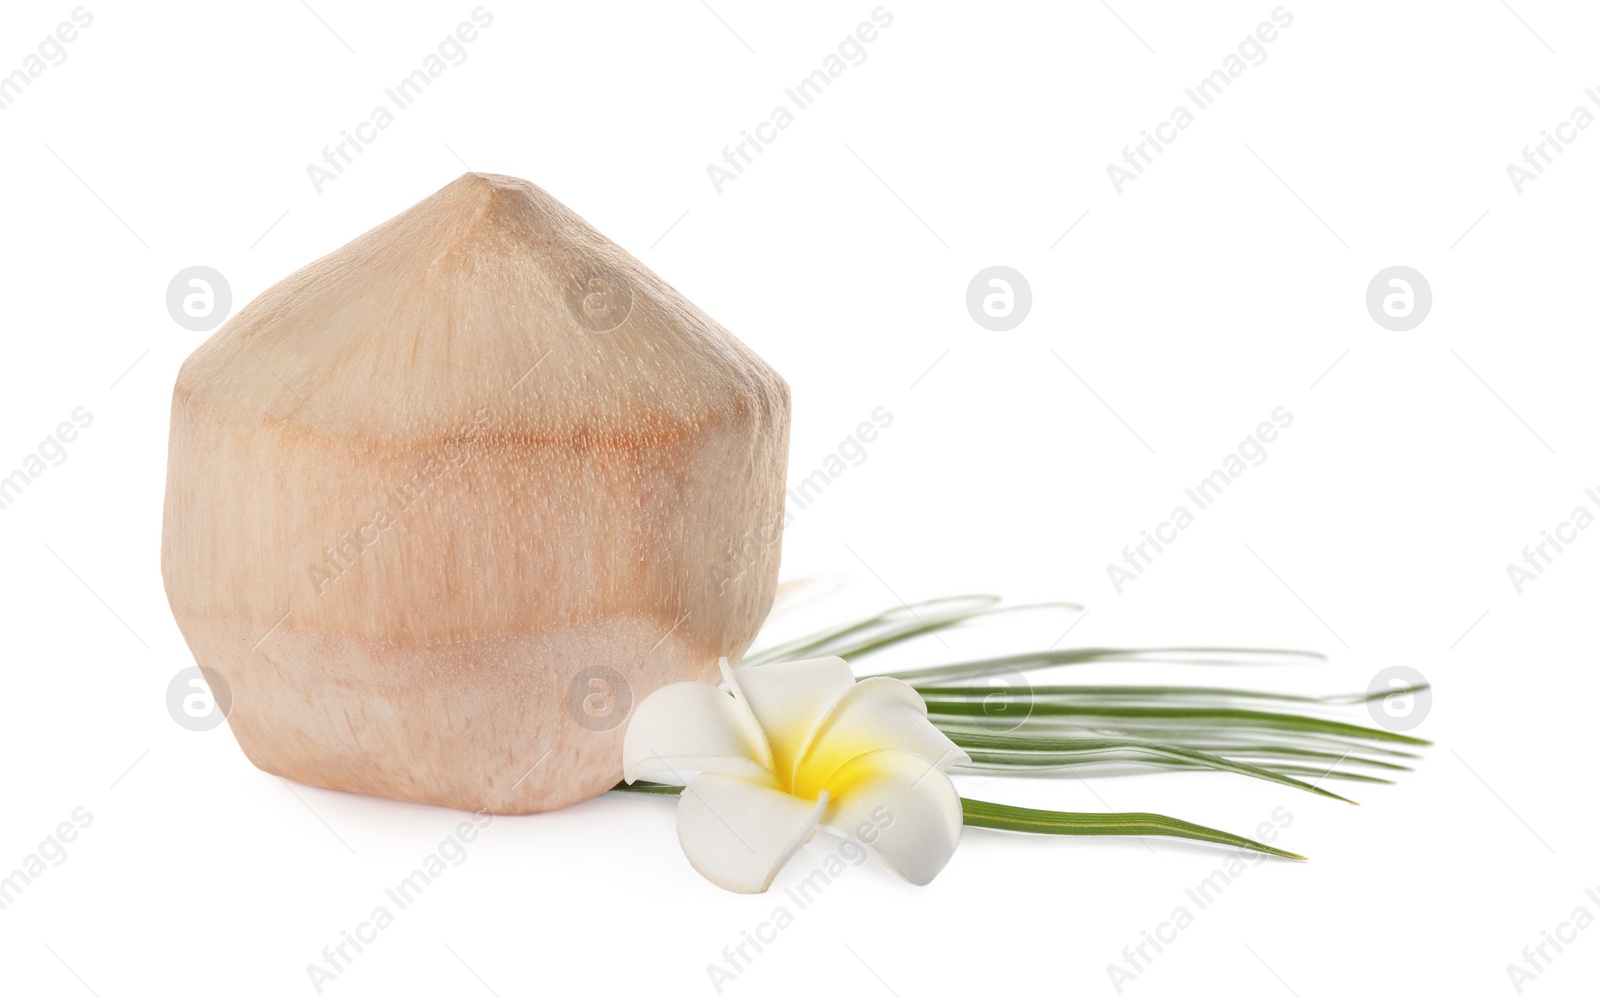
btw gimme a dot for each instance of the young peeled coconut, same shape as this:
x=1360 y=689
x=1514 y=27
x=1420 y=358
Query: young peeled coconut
x=443 y=505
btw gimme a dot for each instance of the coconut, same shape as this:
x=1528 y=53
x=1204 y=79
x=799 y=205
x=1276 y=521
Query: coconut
x=444 y=504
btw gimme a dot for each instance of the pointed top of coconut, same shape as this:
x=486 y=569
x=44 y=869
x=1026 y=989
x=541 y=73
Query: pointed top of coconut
x=490 y=293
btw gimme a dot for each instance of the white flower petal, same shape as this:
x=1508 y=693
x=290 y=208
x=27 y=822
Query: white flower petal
x=877 y=713
x=738 y=834
x=686 y=728
x=899 y=805
x=790 y=700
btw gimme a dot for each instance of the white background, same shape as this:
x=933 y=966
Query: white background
x=1226 y=281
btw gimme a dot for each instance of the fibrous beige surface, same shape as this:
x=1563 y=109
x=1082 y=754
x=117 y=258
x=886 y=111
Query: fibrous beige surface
x=444 y=504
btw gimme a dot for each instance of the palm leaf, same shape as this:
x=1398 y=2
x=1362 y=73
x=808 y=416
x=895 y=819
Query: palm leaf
x=1058 y=728
x=983 y=814
x=1062 y=728
x=1005 y=817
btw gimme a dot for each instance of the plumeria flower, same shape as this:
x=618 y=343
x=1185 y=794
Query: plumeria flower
x=789 y=748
